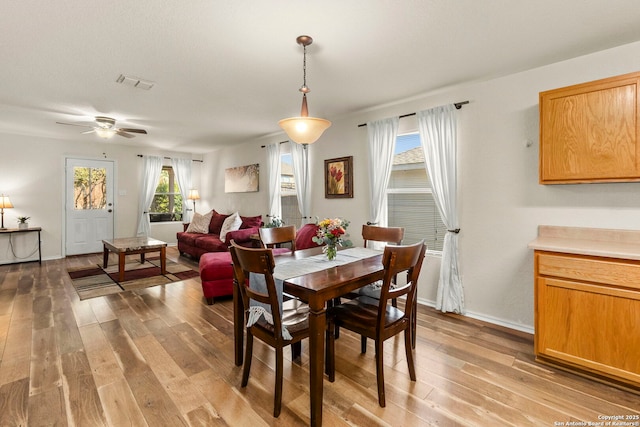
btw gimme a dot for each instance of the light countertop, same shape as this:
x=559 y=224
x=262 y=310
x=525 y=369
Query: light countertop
x=610 y=243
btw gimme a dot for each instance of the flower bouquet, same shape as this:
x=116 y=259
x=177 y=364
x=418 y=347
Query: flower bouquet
x=333 y=233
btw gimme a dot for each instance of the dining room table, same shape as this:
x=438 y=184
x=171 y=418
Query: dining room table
x=321 y=281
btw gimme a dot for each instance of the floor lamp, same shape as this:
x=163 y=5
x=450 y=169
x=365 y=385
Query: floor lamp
x=5 y=203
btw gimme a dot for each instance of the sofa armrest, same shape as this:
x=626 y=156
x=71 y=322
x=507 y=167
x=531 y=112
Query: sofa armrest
x=243 y=235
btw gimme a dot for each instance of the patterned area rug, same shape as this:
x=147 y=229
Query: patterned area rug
x=96 y=282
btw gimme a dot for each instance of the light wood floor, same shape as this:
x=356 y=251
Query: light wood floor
x=162 y=357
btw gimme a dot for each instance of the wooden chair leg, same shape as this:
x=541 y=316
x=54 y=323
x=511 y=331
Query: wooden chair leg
x=409 y=353
x=277 y=403
x=330 y=353
x=414 y=323
x=380 y=372
x=363 y=344
x=248 y=351
x=296 y=351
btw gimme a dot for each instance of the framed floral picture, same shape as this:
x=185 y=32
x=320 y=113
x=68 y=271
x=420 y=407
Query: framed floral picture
x=338 y=178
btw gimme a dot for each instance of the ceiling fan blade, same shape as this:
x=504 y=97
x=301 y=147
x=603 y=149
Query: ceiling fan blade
x=75 y=124
x=125 y=134
x=133 y=130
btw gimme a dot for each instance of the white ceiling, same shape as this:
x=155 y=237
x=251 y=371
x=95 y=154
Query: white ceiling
x=227 y=71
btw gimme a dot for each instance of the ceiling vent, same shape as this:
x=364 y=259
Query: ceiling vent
x=135 y=82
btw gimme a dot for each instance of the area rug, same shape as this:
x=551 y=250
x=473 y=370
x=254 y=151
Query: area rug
x=96 y=281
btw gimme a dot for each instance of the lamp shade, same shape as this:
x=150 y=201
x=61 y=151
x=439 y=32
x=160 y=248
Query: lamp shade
x=5 y=203
x=304 y=130
x=193 y=195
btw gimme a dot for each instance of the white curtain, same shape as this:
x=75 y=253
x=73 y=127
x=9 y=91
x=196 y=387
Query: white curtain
x=273 y=175
x=438 y=133
x=382 y=142
x=151 y=175
x=300 y=157
x=182 y=172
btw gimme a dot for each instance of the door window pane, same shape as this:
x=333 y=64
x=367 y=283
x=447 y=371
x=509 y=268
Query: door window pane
x=290 y=212
x=89 y=188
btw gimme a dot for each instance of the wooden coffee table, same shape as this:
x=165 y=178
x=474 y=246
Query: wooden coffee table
x=134 y=245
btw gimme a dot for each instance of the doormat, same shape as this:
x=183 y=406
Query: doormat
x=91 y=282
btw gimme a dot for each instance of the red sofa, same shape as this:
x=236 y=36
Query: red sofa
x=197 y=244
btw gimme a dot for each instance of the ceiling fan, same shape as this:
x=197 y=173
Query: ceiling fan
x=105 y=127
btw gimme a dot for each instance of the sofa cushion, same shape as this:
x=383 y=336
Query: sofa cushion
x=251 y=221
x=189 y=238
x=199 y=223
x=216 y=222
x=232 y=223
x=210 y=243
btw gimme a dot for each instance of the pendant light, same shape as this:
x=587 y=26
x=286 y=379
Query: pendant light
x=304 y=129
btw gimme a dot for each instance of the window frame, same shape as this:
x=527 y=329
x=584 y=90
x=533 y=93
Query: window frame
x=173 y=182
x=414 y=190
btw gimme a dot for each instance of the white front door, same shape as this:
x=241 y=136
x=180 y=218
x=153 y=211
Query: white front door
x=88 y=205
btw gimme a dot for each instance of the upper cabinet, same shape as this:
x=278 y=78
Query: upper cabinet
x=590 y=132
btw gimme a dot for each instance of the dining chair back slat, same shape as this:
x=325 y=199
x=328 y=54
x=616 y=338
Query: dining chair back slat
x=271 y=237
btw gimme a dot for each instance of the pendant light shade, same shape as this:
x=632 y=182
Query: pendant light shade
x=304 y=129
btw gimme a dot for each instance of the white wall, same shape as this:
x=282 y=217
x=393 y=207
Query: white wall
x=501 y=201
x=32 y=174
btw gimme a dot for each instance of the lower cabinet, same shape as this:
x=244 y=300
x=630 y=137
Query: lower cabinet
x=587 y=315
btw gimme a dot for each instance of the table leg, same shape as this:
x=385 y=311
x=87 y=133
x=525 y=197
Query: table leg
x=142 y=258
x=105 y=257
x=317 y=326
x=121 y=259
x=238 y=325
x=163 y=260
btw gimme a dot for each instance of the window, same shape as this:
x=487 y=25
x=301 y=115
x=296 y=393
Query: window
x=167 y=201
x=89 y=188
x=410 y=202
x=290 y=212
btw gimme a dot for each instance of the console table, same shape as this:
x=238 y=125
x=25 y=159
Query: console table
x=11 y=231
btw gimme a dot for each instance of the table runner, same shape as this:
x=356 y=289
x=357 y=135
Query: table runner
x=295 y=268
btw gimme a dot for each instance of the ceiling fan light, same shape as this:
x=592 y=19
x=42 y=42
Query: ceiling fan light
x=105 y=133
x=304 y=130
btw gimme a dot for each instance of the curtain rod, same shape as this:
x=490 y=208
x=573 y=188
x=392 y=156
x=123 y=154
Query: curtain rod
x=458 y=106
x=169 y=158
x=281 y=142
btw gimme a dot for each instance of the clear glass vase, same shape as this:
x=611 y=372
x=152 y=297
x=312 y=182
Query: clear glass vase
x=330 y=250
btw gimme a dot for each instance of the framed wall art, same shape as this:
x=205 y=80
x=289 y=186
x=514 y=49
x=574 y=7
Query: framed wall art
x=338 y=178
x=242 y=179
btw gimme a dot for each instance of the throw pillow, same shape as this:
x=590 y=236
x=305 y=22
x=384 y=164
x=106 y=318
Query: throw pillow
x=199 y=223
x=251 y=221
x=232 y=223
x=216 y=222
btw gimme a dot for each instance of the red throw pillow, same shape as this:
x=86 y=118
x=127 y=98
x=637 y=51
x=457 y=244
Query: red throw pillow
x=251 y=221
x=304 y=236
x=216 y=222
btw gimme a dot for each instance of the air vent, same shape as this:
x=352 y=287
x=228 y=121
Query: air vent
x=135 y=82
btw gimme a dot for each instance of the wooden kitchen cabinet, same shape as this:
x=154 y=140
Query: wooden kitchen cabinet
x=587 y=302
x=590 y=132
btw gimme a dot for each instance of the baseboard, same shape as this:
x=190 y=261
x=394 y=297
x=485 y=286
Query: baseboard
x=488 y=319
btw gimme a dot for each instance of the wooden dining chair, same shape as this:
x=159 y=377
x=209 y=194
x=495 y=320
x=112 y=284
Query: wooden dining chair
x=376 y=318
x=271 y=237
x=386 y=235
x=261 y=261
